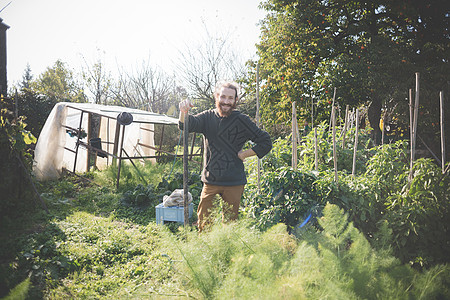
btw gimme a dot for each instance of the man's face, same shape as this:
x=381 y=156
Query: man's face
x=225 y=101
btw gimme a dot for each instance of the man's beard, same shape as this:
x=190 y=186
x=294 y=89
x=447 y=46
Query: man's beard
x=223 y=113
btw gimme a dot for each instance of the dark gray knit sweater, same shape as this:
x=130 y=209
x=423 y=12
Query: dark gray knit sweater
x=225 y=137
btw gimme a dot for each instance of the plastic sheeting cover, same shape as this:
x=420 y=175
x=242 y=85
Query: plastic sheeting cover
x=50 y=156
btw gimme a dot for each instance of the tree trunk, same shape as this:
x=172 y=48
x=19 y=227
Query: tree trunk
x=374 y=113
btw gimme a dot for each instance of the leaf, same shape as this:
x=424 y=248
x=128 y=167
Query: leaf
x=29 y=138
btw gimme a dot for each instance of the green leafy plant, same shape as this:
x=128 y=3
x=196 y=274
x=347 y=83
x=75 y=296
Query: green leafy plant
x=15 y=149
x=417 y=214
x=285 y=196
x=388 y=168
x=344 y=149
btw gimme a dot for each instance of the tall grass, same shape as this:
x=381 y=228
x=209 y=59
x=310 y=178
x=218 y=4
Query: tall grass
x=235 y=261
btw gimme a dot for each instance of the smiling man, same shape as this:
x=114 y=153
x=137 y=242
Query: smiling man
x=226 y=130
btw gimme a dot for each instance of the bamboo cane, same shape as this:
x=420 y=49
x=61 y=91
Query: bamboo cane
x=333 y=118
x=411 y=118
x=16 y=106
x=416 y=113
x=441 y=94
x=383 y=129
x=332 y=105
x=258 y=124
x=355 y=147
x=316 y=152
x=294 y=137
x=353 y=118
x=345 y=126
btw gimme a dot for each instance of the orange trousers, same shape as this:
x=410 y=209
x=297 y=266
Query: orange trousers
x=231 y=196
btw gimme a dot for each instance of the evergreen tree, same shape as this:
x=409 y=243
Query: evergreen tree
x=27 y=78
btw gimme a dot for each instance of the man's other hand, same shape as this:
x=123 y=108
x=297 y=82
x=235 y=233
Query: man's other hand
x=243 y=154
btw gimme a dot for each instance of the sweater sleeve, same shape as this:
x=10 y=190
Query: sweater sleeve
x=196 y=123
x=261 y=138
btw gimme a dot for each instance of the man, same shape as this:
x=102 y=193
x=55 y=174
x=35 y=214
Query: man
x=226 y=130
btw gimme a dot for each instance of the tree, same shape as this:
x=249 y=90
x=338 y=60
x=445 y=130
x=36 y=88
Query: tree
x=97 y=81
x=33 y=106
x=367 y=50
x=58 y=83
x=203 y=65
x=148 y=88
x=27 y=78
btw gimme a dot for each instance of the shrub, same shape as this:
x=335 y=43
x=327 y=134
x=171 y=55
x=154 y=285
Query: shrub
x=418 y=213
x=285 y=197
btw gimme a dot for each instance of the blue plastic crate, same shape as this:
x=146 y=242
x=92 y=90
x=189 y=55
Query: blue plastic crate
x=171 y=213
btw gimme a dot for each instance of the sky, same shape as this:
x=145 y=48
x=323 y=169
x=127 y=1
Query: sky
x=121 y=33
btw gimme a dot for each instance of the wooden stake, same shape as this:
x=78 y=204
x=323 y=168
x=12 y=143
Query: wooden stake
x=16 y=106
x=345 y=127
x=294 y=136
x=411 y=118
x=185 y=169
x=332 y=105
x=383 y=129
x=416 y=113
x=316 y=151
x=257 y=94
x=355 y=147
x=258 y=124
x=333 y=119
x=441 y=94
x=353 y=118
